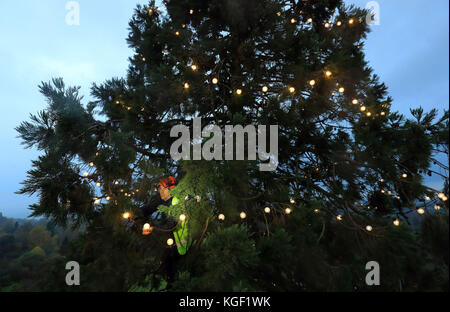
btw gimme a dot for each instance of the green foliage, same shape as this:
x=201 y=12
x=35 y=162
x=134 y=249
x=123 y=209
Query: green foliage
x=29 y=256
x=39 y=237
x=149 y=285
x=333 y=159
x=227 y=257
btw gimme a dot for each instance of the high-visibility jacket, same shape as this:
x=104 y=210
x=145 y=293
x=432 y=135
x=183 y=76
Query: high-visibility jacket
x=181 y=233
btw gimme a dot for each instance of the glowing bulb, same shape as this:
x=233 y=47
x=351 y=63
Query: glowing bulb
x=341 y=90
x=363 y=108
x=191 y=11
x=108 y=198
x=278 y=13
x=355 y=101
x=420 y=211
x=186 y=85
x=96 y=201
x=116 y=183
x=293 y=21
x=382 y=113
x=182 y=217
x=396 y=222
x=126 y=215
x=170 y=242
x=267 y=210
x=265 y=89
x=437 y=207
x=177 y=33
x=99 y=184
x=292 y=201
x=288 y=210
x=445 y=198
x=328 y=73
x=91 y=164
x=221 y=217
x=310 y=20
x=441 y=195
x=404 y=176
x=327 y=25
x=215 y=81
x=194 y=67
x=427 y=198
x=316 y=210
x=243 y=215
x=369 y=228
x=239 y=91
x=339 y=217
x=143 y=59
x=339 y=23
x=369 y=114
x=86 y=174
x=312 y=82
x=292 y=89
x=351 y=21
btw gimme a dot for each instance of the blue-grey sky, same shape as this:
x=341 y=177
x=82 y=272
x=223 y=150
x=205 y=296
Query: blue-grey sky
x=409 y=50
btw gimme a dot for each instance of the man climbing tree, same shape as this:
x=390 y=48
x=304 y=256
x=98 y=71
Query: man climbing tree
x=349 y=175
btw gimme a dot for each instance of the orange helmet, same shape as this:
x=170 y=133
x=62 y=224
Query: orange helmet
x=168 y=183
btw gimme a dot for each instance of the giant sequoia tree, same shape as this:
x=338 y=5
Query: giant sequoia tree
x=350 y=170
